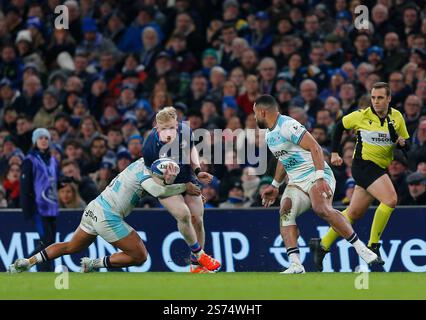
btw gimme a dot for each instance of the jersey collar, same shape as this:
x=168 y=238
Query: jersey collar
x=275 y=124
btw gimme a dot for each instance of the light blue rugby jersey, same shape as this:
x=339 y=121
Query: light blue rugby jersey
x=283 y=141
x=124 y=192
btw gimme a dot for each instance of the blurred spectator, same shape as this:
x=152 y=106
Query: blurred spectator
x=417 y=188
x=246 y=101
x=412 y=112
x=124 y=158
x=308 y=99
x=397 y=172
x=250 y=183
x=104 y=175
x=399 y=89
x=24 y=129
x=69 y=197
x=418 y=149
x=11 y=185
x=49 y=109
x=235 y=197
x=211 y=194
x=134 y=146
x=86 y=187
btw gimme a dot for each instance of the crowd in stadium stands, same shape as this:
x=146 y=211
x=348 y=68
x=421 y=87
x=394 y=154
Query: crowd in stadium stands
x=97 y=85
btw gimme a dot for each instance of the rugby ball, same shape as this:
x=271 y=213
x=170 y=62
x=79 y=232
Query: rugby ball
x=159 y=166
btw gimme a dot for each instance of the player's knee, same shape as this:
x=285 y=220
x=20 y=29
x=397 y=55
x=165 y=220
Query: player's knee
x=140 y=258
x=197 y=221
x=391 y=201
x=286 y=207
x=183 y=215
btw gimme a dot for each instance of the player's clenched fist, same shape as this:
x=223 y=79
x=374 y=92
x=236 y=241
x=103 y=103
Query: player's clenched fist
x=335 y=159
x=204 y=177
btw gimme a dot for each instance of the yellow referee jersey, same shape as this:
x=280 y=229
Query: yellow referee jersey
x=373 y=139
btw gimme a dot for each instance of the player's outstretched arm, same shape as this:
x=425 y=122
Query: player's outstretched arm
x=159 y=191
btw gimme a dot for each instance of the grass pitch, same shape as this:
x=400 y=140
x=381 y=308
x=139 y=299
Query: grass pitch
x=220 y=286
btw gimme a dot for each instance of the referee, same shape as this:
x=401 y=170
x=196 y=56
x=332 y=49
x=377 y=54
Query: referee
x=379 y=129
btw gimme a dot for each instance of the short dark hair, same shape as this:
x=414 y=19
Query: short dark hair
x=267 y=102
x=382 y=85
x=68 y=162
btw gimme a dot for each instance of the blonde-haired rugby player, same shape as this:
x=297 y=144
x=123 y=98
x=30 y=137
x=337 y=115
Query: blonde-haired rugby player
x=172 y=139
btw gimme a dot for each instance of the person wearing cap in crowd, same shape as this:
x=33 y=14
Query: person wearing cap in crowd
x=235 y=197
x=131 y=42
x=62 y=124
x=8 y=120
x=211 y=193
x=260 y=38
x=30 y=69
x=375 y=58
x=417 y=189
x=334 y=54
x=115 y=27
x=10 y=97
x=181 y=110
x=127 y=100
x=27 y=50
x=163 y=68
x=209 y=59
x=104 y=175
x=51 y=107
x=39 y=193
x=35 y=27
x=129 y=126
x=86 y=186
x=134 y=146
x=229 y=107
x=398 y=173
x=124 y=158
x=94 y=42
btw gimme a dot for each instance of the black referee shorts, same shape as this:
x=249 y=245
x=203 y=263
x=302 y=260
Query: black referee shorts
x=366 y=172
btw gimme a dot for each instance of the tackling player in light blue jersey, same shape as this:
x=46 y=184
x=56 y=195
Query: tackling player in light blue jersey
x=104 y=217
x=310 y=180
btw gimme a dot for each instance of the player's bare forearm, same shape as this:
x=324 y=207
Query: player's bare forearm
x=195 y=158
x=309 y=143
x=157 y=190
x=280 y=172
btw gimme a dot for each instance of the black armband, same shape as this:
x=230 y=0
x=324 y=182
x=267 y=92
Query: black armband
x=197 y=171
